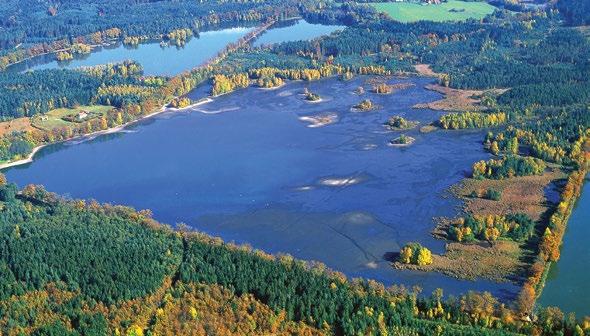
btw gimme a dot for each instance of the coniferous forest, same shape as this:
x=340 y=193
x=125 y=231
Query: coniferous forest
x=81 y=268
x=77 y=267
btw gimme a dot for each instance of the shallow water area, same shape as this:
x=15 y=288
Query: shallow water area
x=246 y=168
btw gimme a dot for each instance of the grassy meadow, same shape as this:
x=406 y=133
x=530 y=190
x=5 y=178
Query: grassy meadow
x=53 y=119
x=453 y=10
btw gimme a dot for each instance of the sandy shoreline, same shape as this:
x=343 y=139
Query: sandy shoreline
x=111 y=130
x=164 y=108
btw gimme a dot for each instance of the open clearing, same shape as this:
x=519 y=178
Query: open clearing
x=452 y=10
x=15 y=125
x=454 y=100
x=54 y=118
x=525 y=194
x=499 y=261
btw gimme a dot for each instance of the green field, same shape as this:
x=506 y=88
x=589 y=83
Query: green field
x=453 y=10
x=53 y=119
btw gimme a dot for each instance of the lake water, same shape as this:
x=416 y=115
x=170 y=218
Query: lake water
x=568 y=279
x=156 y=60
x=246 y=168
x=172 y=60
x=295 y=31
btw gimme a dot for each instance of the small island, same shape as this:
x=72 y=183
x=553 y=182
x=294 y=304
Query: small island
x=397 y=123
x=76 y=49
x=365 y=105
x=311 y=96
x=402 y=140
x=382 y=89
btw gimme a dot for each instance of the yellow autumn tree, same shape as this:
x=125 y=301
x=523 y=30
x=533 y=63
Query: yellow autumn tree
x=414 y=253
x=479 y=169
x=424 y=257
x=494 y=148
x=103 y=123
x=406 y=254
x=134 y=330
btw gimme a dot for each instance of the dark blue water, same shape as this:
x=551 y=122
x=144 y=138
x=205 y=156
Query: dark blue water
x=567 y=281
x=295 y=31
x=246 y=168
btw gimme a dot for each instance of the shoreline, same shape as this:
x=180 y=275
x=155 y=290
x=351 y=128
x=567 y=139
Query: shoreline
x=115 y=41
x=110 y=42
x=31 y=157
x=272 y=88
x=164 y=108
x=26 y=160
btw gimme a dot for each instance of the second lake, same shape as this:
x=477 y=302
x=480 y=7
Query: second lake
x=172 y=60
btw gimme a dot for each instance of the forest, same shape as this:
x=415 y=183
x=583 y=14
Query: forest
x=54 y=88
x=137 y=264
x=576 y=12
x=45 y=21
x=49 y=27
x=64 y=88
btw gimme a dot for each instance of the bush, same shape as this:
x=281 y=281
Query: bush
x=493 y=194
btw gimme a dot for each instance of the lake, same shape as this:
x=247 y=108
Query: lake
x=247 y=167
x=295 y=30
x=567 y=282
x=172 y=60
x=156 y=60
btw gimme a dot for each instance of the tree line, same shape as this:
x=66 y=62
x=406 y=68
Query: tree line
x=508 y=166
x=518 y=227
x=88 y=257
x=132 y=18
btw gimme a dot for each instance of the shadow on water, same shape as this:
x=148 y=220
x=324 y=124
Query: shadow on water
x=391 y=256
